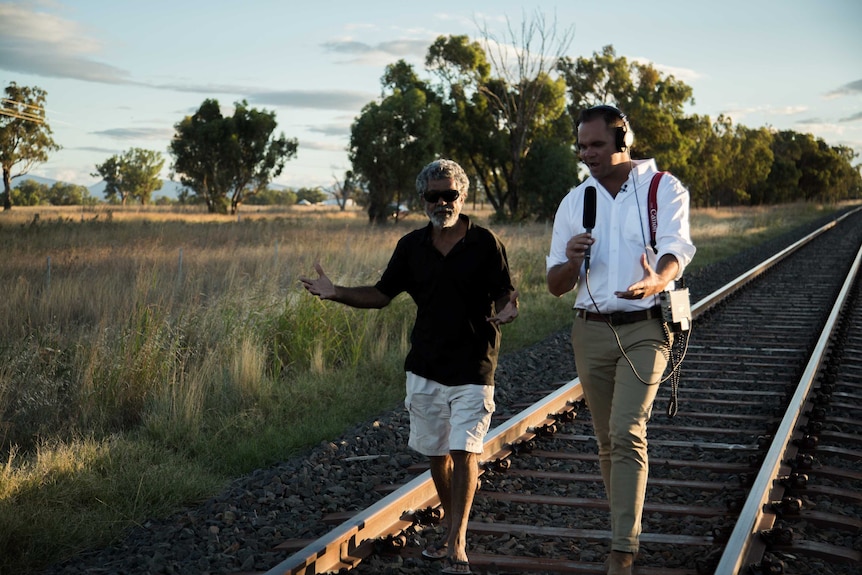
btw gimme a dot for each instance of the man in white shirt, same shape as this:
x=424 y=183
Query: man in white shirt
x=619 y=275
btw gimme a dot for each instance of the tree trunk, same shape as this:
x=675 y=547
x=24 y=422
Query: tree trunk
x=7 y=189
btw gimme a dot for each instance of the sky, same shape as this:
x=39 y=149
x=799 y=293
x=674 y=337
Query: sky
x=121 y=74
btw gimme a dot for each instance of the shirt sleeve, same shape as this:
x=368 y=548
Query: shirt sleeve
x=395 y=277
x=563 y=231
x=673 y=235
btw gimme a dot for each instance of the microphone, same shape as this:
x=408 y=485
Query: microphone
x=589 y=219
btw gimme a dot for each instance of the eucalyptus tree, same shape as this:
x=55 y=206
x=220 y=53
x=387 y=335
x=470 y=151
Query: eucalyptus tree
x=224 y=159
x=391 y=140
x=750 y=162
x=30 y=193
x=25 y=136
x=346 y=190
x=499 y=98
x=827 y=173
x=134 y=174
x=653 y=102
x=66 y=194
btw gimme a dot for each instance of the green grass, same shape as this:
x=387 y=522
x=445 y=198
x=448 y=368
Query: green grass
x=148 y=359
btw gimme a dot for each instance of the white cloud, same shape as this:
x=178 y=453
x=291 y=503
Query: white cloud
x=42 y=44
x=314 y=99
x=684 y=74
x=321 y=146
x=381 y=53
x=137 y=133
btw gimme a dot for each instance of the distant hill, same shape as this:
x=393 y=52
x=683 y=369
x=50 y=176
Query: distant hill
x=169 y=189
x=37 y=179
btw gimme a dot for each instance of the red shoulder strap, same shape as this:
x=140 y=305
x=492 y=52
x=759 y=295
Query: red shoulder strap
x=652 y=208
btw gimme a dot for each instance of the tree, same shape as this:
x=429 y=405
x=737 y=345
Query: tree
x=223 y=160
x=271 y=197
x=751 y=163
x=346 y=189
x=134 y=174
x=25 y=136
x=497 y=119
x=310 y=195
x=390 y=141
x=654 y=101
x=29 y=193
x=65 y=194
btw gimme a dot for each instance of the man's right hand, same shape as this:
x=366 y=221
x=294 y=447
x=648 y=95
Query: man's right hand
x=577 y=246
x=322 y=287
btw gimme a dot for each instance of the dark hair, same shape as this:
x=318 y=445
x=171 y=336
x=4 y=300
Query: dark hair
x=613 y=118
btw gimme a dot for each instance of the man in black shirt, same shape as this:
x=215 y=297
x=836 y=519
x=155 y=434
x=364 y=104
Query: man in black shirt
x=458 y=275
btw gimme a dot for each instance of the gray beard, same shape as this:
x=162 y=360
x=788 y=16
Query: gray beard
x=443 y=219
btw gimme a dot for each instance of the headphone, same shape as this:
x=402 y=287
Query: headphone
x=623 y=135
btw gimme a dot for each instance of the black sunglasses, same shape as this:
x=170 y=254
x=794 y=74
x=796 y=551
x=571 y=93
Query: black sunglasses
x=433 y=196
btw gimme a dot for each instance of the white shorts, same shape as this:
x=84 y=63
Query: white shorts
x=444 y=418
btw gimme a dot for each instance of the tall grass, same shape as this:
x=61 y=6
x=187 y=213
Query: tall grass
x=146 y=357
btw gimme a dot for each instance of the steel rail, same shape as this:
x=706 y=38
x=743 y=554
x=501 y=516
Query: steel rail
x=752 y=518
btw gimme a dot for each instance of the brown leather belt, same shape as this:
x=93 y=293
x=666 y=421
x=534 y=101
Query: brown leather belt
x=620 y=317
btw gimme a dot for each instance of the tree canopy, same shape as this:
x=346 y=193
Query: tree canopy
x=390 y=141
x=33 y=193
x=223 y=160
x=134 y=174
x=25 y=136
x=507 y=112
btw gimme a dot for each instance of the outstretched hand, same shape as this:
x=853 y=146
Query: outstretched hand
x=322 y=287
x=509 y=311
x=651 y=284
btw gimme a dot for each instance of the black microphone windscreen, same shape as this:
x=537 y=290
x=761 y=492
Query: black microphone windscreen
x=590 y=207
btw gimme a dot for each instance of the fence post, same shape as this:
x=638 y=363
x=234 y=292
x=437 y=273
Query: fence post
x=180 y=267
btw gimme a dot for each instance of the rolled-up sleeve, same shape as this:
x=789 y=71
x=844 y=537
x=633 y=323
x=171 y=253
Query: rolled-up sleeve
x=674 y=229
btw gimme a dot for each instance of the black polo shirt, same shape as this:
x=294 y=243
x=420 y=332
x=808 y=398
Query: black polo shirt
x=452 y=342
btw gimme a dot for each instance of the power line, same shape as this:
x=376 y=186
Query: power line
x=22 y=110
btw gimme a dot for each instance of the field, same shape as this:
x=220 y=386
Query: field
x=147 y=356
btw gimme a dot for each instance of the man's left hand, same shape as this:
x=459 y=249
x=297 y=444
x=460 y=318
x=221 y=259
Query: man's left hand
x=509 y=311
x=651 y=284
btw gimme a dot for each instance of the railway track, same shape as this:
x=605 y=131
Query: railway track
x=760 y=471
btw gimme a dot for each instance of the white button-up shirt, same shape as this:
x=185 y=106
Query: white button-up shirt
x=622 y=234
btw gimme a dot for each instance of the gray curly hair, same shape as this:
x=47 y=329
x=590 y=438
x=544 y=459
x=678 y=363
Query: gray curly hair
x=443 y=170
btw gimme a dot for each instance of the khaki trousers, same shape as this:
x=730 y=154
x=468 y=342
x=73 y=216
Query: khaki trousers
x=620 y=405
